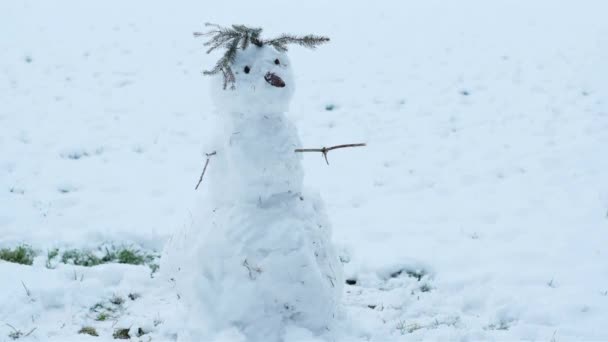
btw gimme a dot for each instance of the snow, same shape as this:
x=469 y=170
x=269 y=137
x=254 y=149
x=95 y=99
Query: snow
x=484 y=174
x=257 y=253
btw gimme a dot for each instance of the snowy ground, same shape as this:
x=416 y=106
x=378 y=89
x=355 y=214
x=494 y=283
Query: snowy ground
x=479 y=210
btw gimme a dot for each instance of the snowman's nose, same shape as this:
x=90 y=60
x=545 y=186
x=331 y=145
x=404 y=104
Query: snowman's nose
x=274 y=80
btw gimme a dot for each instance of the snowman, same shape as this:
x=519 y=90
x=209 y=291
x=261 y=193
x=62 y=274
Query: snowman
x=256 y=256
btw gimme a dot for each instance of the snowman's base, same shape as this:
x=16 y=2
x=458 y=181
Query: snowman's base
x=259 y=265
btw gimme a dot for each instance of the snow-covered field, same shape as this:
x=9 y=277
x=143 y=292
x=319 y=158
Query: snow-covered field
x=478 y=211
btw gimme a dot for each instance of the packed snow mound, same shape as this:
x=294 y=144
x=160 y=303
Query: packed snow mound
x=258 y=266
x=257 y=252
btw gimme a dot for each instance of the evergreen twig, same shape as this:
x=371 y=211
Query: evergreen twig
x=241 y=36
x=309 y=41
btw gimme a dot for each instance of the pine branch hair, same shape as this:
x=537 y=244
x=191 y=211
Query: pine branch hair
x=240 y=37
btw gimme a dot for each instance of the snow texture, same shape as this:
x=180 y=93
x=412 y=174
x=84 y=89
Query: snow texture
x=477 y=212
x=257 y=254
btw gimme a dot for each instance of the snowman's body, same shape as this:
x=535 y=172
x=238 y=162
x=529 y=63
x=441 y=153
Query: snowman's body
x=257 y=254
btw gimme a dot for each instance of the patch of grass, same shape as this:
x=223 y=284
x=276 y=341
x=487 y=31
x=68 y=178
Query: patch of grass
x=410 y=328
x=50 y=256
x=407 y=328
x=98 y=307
x=88 y=258
x=80 y=258
x=121 y=334
x=500 y=325
x=131 y=257
x=102 y=316
x=448 y=322
x=121 y=255
x=108 y=309
x=17 y=334
x=23 y=254
x=117 y=300
x=103 y=308
x=418 y=274
x=14 y=335
x=88 y=330
x=135 y=257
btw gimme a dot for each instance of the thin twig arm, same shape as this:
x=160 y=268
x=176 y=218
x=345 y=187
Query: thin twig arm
x=325 y=150
x=209 y=155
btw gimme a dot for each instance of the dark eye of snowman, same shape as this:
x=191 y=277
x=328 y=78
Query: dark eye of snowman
x=277 y=62
x=247 y=69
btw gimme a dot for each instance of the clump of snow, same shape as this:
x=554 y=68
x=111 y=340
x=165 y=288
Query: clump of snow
x=501 y=196
x=257 y=254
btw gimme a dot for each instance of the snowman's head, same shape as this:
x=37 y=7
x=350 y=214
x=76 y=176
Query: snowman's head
x=254 y=74
x=263 y=82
